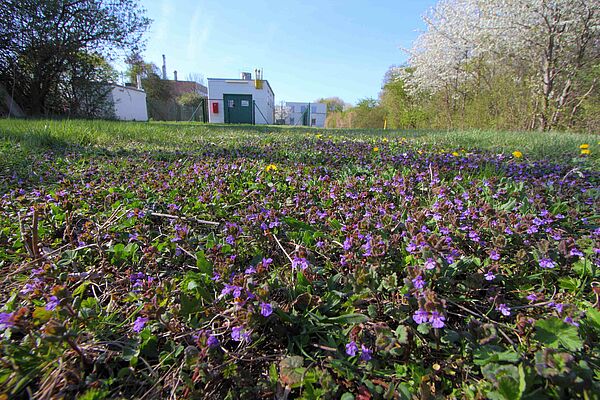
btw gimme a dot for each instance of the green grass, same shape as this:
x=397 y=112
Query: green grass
x=58 y=134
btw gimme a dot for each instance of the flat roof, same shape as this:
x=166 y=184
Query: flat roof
x=234 y=80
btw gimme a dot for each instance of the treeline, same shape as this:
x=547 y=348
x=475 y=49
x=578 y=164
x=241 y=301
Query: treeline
x=496 y=64
x=55 y=55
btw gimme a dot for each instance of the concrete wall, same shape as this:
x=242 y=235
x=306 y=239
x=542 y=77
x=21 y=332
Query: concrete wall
x=264 y=99
x=295 y=112
x=130 y=103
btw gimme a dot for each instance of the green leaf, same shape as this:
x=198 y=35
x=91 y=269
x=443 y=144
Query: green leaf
x=81 y=288
x=347 y=396
x=592 y=317
x=493 y=354
x=353 y=318
x=401 y=334
x=554 y=333
x=203 y=264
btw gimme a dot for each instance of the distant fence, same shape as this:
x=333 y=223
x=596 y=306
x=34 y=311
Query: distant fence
x=160 y=110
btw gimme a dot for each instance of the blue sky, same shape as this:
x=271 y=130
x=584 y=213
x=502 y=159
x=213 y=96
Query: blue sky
x=307 y=49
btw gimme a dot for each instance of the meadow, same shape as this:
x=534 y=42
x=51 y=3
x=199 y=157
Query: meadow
x=181 y=260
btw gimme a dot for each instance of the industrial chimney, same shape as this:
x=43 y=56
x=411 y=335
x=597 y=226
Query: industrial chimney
x=164 y=67
x=175 y=75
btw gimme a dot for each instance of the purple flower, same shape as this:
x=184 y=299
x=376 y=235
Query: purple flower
x=365 y=353
x=250 y=270
x=494 y=255
x=504 y=309
x=266 y=309
x=52 y=303
x=570 y=321
x=299 y=263
x=239 y=334
x=575 y=252
x=212 y=341
x=532 y=297
x=436 y=319
x=420 y=316
x=347 y=244
x=351 y=349
x=418 y=282
x=559 y=307
x=267 y=261
x=139 y=324
x=411 y=248
x=547 y=263
x=230 y=240
x=7 y=320
x=430 y=263
x=490 y=276
x=236 y=333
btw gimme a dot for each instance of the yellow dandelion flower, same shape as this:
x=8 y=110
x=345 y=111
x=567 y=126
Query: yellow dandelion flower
x=385 y=140
x=375 y=149
x=271 y=167
x=517 y=154
x=455 y=154
x=584 y=146
x=319 y=136
x=585 y=152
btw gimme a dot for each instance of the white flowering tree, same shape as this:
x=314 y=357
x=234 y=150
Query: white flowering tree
x=548 y=43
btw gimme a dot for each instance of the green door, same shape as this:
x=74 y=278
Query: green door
x=238 y=108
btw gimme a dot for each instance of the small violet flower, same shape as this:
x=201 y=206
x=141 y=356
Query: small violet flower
x=351 y=349
x=52 y=303
x=575 y=252
x=570 y=321
x=139 y=324
x=365 y=353
x=418 y=282
x=490 y=276
x=430 y=263
x=547 y=263
x=266 y=309
x=504 y=309
x=420 y=316
x=212 y=341
x=299 y=263
x=7 y=320
x=436 y=319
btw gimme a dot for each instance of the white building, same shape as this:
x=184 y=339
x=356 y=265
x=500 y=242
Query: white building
x=241 y=101
x=129 y=103
x=305 y=114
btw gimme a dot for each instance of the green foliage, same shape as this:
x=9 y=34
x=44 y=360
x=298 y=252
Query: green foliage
x=175 y=261
x=555 y=333
x=51 y=50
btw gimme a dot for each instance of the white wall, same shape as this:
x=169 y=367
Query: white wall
x=318 y=113
x=130 y=103
x=263 y=98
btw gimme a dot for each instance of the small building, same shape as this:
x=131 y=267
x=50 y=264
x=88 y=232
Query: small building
x=241 y=101
x=129 y=103
x=304 y=114
x=179 y=88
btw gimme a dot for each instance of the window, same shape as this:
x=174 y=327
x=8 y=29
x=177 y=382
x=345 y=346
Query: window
x=302 y=109
x=291 y=120
x=313 y=109
x=231 y=103
x=313 y=122
x=292 y=109
x=245 y=103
